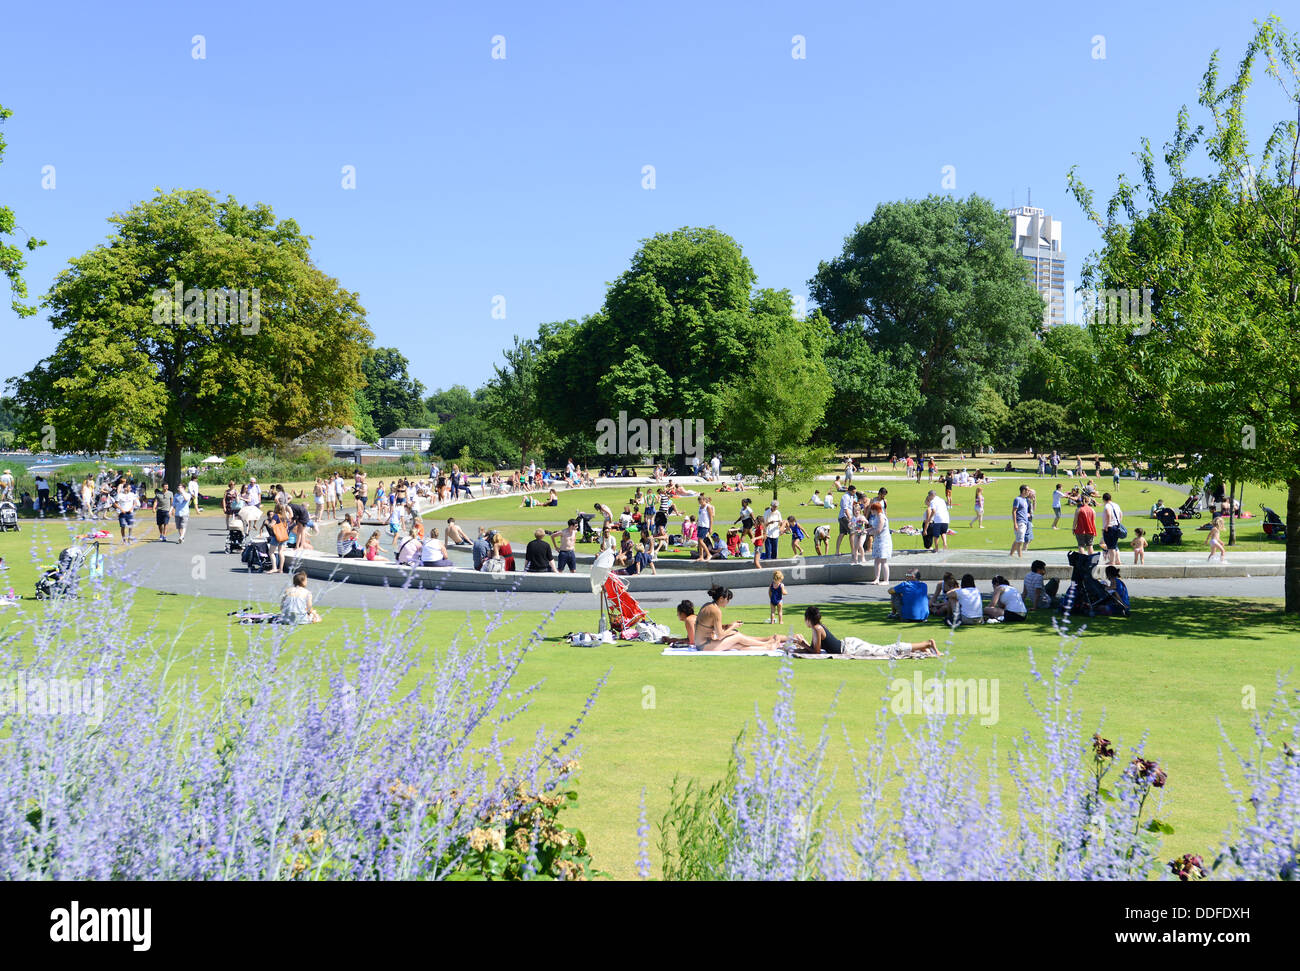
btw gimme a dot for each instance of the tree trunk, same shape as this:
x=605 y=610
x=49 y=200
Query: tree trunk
x=172 y=462
x=1291 y=580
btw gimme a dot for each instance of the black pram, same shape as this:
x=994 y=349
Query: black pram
x=1170 y=531
x=1086 y=593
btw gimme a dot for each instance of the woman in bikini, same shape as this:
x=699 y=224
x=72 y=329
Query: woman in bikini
x=825 y=643
x=711 y=634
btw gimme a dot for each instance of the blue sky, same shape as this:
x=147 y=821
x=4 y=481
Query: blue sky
x=522 y=177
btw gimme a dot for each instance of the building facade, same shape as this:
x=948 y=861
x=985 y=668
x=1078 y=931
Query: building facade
x=407 y=440
x=1036 y=237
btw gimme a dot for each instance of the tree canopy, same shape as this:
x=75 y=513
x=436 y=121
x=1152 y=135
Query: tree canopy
x=935 y=284
x=1211 y=383
x=12 y=259
x=201 y=324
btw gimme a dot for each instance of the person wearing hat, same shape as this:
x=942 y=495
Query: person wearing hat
x=909 y=599
x=7 y=486
x=773 y=526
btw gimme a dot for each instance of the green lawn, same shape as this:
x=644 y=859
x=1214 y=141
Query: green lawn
x=1176 y=670
x=906 y=505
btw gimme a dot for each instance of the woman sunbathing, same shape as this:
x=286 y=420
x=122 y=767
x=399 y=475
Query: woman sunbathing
x=825 y=643
x=712 y=635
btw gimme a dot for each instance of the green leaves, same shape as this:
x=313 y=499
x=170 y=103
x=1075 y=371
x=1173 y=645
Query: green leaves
x=935 y=283
x=200 y=324
x=12 y=260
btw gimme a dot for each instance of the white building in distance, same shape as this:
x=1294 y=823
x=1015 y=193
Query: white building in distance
x=1037 y=239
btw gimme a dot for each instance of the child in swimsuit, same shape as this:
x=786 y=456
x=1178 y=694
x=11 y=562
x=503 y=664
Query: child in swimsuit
x=775 y=594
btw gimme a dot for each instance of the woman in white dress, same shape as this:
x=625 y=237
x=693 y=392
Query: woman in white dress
x=882 y=543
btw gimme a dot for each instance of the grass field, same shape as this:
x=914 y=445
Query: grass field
x=1176 y=671
x=906 y=505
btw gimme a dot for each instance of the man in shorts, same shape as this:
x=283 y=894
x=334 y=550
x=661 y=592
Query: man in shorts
x=126 y=502
x=565 y=550
x=181 y=512
x=1020 y=522
x=846 y=514
x=936 y=520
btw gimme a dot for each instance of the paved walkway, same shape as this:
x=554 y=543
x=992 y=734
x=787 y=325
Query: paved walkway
x=200 y=568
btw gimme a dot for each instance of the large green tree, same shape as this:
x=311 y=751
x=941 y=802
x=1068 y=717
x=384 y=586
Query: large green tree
x=1211 y=382
x=512 y=401
x=12 y=258
x=391 y=397
x=677 y=329
x=780 y=395
x=873 y=393
x=936 y=283
x=201 y=324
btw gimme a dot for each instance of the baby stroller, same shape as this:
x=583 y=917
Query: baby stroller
x=621 y=608
x=257 y=556
x=1191 y=507
x=1274 y=527
x=76 y=563
x=8 y=517
x=1170 y=532
x=1085 y=593
x=234 y=534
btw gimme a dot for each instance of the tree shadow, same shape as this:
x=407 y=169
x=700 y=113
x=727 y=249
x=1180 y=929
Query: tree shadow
x=1191 y=618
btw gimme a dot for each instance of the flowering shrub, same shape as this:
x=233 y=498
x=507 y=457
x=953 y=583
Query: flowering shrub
x=1267 y=843
x=523 y=839
x=1081 y=812
x=263 y=763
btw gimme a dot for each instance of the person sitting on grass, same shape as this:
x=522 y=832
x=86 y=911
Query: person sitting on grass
x=712 y=635
x=295 y=603
x=1117 y=600
x=1007 y=604
x=909 y=600
x=824 y=643
x=940 y=597
x=965 y=605
x=1033 y=592
x=686 y=614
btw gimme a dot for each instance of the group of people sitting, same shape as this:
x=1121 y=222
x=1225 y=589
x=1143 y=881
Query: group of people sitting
x=708 y=632
x=962 y=602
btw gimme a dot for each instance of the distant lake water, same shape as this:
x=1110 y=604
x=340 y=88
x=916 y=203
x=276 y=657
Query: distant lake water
x=54 y=461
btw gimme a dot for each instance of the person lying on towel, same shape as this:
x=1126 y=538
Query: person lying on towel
x=825 y=643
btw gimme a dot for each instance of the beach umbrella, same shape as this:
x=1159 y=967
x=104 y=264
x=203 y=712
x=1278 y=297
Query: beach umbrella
x=600 y=569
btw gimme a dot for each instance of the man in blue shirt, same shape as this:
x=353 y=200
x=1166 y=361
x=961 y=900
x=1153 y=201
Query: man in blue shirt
x=909 y=599
x=482 y=549
x=1020 y=510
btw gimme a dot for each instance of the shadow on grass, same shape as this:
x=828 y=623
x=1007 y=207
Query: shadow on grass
x=1199 y=618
